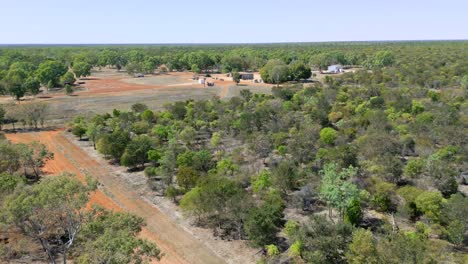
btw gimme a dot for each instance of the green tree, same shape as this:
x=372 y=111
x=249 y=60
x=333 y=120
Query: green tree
x=456 y=233
x=202 y=160
x=383 y=58
x=414 y=168
x=383 y=196
x=285 y=176
x=336 y=190
x=50 y=212
x=68 y=89
x=187 y=178
x=49 y=73
x=246 y=94
x=94 y=129
x=10 y=158
x=272 y=250
x=34 y=156
x=79 y=130
x=67 y=78
x=139 y=108
x=262 y=224
x=261 y=182
x=363 y=248
x=32 y=85
x=453 y=216
x=136 y=151
x=14 y=81
x=114 y=144
x=299 y=71
x=353 y=213
x=279 y=74
x=8 y=183
x=148 y=116
x=328 y=135
x=113 y=238
x=81 y=68
x=227 y=167
x=409 y=194
x=430 y=203
x=323 y=241
x=218 y=202
x=236 y=77
x=187 y=135
x=154 y=156
x=215 y=139
x=403 y=248
x=195 y=68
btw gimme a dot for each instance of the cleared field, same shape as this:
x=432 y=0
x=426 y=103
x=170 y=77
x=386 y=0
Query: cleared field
x=163 y=79
x=234 y=90
x=108 y=89
x=65 y=108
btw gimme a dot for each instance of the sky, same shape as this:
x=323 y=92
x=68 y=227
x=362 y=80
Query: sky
x=241 y=21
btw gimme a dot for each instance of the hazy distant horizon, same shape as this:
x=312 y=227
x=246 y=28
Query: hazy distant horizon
x=232 y=43
x=242 y=22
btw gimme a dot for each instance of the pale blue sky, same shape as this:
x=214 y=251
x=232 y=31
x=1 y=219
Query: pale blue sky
x=241 y=21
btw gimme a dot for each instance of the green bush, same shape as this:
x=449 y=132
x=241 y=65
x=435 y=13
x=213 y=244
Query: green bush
x=291 y=228
x=409 y=194
x=262 y=224
x=353 y=213
x=295 y=250
x=417 y=107
x=377 y=102
x=261 y=182
x=434 y=95
x=328 y=135
x=382 y=197
x=456 y=233
x=430 y=203
x=414 y=168
x=272 y=250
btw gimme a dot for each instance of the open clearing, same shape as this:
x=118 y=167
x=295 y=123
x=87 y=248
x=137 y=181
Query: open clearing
x=107 y=89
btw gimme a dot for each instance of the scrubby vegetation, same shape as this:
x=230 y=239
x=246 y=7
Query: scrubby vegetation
x=53 y=216
x=364 y=168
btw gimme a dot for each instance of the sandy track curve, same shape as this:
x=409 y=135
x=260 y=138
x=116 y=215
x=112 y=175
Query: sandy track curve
x=178 y=245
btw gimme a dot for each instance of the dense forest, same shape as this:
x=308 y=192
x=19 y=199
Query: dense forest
x=369 y=166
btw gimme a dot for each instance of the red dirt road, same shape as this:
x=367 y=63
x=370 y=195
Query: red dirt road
x=177 y=245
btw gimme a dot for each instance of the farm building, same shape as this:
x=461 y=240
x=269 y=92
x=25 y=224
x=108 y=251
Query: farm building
x=335 y=68
x=246 y=75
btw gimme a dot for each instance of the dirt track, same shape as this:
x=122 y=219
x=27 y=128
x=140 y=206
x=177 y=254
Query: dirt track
x=177 y=245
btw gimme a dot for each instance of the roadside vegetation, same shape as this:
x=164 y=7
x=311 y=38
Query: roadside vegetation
x=52 y=215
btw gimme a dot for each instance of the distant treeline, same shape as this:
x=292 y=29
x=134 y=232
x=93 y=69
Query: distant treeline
x=24 y=69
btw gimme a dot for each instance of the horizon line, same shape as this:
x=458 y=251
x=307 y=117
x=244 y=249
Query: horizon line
x=228 y=43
